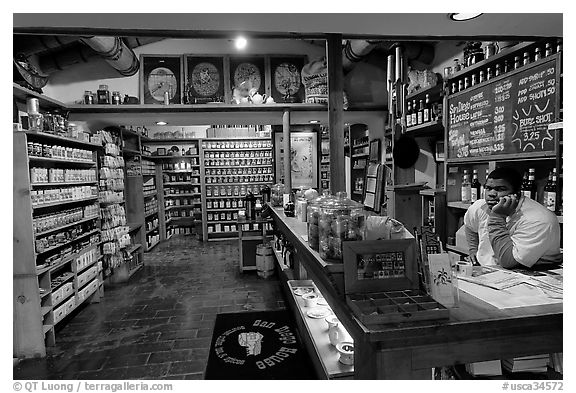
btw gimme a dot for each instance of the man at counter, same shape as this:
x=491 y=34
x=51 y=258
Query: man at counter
x=508 y=229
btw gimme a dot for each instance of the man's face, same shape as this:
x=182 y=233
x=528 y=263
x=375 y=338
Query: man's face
x=496 y=189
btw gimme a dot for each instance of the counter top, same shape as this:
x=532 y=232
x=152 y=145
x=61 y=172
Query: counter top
x=476 y=331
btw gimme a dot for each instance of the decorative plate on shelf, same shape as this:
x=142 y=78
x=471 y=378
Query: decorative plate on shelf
x=299 y=291
x=204 y=79
x=319 y=312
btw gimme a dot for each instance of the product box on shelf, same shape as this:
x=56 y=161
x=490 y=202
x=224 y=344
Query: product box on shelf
x=381 y=283
x=57 y=296
x=59 y=313
x=70 y=305
x=67 y=290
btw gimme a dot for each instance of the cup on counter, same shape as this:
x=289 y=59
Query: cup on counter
x=332 y=321
x=464 y=268
x=310 y=299
x=346 y=351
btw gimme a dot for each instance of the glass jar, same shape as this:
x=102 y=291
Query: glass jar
x=116 y=99
x=313 y=218
x=277 y=196
x=103 y=94
x=341 y=219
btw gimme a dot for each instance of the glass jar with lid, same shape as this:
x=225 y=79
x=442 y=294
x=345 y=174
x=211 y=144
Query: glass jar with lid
x=341 y=219
x=313 y=218
x=277 y=195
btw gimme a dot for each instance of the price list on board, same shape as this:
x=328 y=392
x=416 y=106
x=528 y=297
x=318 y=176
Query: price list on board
x=510 y=115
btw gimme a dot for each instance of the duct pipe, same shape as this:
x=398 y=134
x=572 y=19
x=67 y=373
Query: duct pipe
x=115 y=52
x=356 y=50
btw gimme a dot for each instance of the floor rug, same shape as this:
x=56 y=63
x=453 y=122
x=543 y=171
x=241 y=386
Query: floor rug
x=257 y=345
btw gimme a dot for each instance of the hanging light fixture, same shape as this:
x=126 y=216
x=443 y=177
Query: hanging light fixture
x=463 y=16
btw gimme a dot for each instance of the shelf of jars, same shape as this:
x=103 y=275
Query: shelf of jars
x=233 y=168
x=56 y=223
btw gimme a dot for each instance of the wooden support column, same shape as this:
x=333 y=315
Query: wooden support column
x=286 y=148
x=335 y=108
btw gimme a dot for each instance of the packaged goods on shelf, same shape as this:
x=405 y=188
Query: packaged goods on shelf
x=59 y=152
x=113 y=162
x=69 y=194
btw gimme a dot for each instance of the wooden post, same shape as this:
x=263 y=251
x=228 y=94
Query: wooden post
x=286 y=148
x=335 y=108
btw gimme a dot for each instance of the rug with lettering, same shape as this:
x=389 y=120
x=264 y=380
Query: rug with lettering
x=257 y=345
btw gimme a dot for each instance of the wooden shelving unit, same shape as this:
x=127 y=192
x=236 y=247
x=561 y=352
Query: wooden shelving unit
x=36 y=268
x=212 y=153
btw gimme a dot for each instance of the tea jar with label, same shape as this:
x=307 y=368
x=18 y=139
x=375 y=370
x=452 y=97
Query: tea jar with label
x=313 y=218
x=277 y=195
x=341 y=219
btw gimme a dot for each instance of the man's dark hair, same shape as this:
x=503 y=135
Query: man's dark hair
x=511 y=175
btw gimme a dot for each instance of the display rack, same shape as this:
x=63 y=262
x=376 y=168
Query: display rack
x=324 y=158
x=116 y=239
x=359 y=158
x=232 y=168
x=56 y=232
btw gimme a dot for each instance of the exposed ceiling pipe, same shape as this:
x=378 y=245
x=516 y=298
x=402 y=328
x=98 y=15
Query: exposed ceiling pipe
x=355 y=51
x=116 y=53
x=55 y=53
x=35 y=44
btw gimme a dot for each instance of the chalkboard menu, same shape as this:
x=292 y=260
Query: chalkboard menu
x=508 y=116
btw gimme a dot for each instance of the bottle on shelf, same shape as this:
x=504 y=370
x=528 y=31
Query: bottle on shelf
x=427 y=109
x=529 y=187
x=409 y=115
x=466 y=190
x=547 y=50
x=550 y=191
x=537 y=55
x=526 y=59
x=475 y=187
x=414 y=113
x=420 y=114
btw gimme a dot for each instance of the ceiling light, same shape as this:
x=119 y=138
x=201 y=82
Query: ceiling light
x=314 y=121
x=240 y=42
x=462 y=16
x=161 y=123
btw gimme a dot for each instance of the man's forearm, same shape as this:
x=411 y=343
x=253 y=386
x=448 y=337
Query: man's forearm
x=472 y=239
x=501 y=241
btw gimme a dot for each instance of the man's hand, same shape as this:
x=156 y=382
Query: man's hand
x=473 y=259
x=507 y=205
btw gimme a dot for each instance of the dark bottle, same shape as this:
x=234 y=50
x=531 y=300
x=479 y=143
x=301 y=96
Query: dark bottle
x=547 y=50
x=517 y=63
x=526 y=59
x=427 y=110
x=506 y=66
x=250 y=205
x=265 y=192
x=476 y=186
x=474 y=80
x=481 y=77
x=290 y=208
x=409 y=115
x=529 y=187
x=537 y=55
x=550 y=192
x=497 y=72
x=466 y=82
x=414 y=113
x=454 y=90
x=420 y=114
x=488 y=73
x=103 y=94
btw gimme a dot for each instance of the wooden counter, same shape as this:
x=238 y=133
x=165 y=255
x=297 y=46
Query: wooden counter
x=475 y=331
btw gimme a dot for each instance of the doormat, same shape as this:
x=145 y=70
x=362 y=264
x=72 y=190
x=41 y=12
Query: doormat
x=257 y=345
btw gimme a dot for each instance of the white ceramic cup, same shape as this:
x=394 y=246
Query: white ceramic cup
x=464 y=268
x=310 y=299
x=332 y=321
x=346 y=350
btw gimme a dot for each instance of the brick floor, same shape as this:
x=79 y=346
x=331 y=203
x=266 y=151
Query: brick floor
x=159 y=324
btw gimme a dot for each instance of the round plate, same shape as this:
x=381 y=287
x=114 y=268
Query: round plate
x=303 y=290
x=321 y=301
x=319 y=312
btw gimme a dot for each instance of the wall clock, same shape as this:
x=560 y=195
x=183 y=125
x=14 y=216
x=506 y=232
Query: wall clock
x=286 y=78
x=250 y=69
x=160 y=74
x=204 y=79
